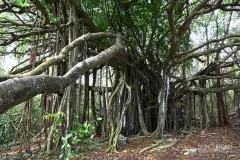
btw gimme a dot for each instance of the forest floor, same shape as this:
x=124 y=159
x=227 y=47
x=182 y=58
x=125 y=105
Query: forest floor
x=213 y=143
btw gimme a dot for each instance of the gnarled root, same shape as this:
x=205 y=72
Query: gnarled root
x=160 y=145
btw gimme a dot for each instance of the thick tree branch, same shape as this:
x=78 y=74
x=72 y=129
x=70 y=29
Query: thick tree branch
x=62 y=55
x=17 y=90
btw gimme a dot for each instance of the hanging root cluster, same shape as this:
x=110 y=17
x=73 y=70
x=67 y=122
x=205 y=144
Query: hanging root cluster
x=113 y=142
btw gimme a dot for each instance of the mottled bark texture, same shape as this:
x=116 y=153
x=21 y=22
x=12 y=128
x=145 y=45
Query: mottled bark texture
x=17 y=90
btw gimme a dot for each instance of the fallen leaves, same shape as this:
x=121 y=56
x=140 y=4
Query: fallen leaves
x=219 y=144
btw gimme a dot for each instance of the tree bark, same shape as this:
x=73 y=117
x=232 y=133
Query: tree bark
x=17 y=90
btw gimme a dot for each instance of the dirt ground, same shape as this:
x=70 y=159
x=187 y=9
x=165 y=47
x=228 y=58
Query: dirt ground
x=213 y=143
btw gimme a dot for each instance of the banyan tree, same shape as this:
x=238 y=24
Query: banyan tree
x=144 y=66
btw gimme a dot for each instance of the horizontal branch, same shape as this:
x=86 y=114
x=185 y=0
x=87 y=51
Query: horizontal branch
x=27 y=67
x=207 y=43
x=213 y=90
x=38 y=31
x=17 y=90
x=203 y=53
x=212 y=77
x=62 y=55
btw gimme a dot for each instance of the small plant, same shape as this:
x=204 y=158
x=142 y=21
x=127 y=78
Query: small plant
x=83 y=132
x=66 y=147
x=79 y=136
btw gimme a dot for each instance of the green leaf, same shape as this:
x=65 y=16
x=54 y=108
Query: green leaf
x=68 y=136
x=99 y=118
x=22 y=3
x=75 y=140
x=85 y=124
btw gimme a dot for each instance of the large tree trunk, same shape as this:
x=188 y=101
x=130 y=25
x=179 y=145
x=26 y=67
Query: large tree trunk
x=162 y=100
